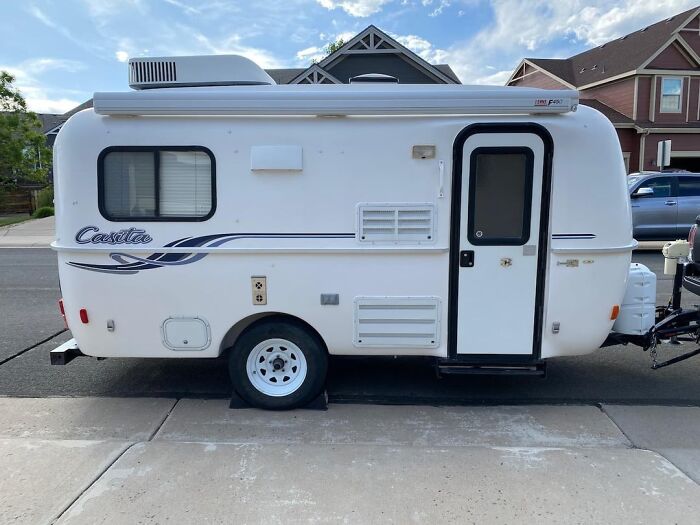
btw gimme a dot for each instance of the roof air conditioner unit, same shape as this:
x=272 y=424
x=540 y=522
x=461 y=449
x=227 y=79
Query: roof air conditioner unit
x=194 y=71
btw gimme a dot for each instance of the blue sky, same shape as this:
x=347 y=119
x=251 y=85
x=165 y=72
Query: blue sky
x=61 y=51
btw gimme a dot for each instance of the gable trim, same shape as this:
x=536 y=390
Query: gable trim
x=688 y=20
x=373 y=32
x=608 y=80
x=314 y=68
x=55 y=129
x=688 y=49
x=676 y=38
x=541 y=69
x=673 y=72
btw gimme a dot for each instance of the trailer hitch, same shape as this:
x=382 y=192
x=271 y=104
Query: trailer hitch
x=672 y=323
x=675 y=324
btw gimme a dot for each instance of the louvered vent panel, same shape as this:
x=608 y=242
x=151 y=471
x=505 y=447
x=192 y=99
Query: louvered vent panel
x=152 y=71
x=397 y=322
x=413 y=223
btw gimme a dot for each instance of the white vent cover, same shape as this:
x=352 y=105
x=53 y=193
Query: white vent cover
x=213 y=70
x=399 y=322
x=145 y=71
x=411 y=223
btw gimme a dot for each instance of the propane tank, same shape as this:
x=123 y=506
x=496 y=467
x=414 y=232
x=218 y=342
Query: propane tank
x=637 y=313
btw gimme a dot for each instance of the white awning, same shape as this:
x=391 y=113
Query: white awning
x=346 y=99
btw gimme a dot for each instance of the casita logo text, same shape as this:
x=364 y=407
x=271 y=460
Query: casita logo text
x=92 y=235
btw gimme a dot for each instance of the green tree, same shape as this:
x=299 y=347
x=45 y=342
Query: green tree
x=24 y=155
x=332 y=47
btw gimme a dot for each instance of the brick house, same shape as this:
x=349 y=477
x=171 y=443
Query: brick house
x=647 y=83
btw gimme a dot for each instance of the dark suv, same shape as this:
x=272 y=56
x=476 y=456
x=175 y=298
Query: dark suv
x=664 y=205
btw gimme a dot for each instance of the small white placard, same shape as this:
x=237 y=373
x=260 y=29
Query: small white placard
x=276 y=158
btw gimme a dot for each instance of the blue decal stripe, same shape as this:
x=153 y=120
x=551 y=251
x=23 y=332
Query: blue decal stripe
x=160 y=259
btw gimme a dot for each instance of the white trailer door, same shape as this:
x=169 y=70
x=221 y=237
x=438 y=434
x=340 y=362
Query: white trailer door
x=499 y=264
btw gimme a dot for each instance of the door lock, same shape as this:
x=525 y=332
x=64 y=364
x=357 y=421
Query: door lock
x=466 y=258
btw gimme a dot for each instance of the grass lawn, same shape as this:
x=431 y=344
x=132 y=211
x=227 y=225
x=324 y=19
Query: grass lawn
x=6 y=221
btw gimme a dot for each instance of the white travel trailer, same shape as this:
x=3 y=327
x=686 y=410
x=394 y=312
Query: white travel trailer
x=215 y=213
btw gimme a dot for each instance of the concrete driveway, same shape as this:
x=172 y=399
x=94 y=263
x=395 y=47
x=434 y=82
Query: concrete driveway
x=196 y=461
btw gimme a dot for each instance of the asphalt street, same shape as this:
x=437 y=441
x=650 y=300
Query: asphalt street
x=29 y=315
x=28 y=299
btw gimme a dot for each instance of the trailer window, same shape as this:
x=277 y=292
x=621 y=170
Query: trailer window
x=500 y=196
x=156 y=184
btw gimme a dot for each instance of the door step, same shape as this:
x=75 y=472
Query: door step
x=464 y=368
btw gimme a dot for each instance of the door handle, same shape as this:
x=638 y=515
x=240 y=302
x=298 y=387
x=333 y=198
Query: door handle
x=466 y=258
x=670 y=203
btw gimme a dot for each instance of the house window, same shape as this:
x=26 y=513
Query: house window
x=156 y=184
x=671 y=89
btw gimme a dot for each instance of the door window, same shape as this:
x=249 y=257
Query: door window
x=500 y=196
x=662 y=186
x=689 y=186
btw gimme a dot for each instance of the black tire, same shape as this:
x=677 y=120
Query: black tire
x=313 y=352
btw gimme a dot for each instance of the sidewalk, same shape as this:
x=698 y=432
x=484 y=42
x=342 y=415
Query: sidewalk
x=107 y=460
x=34 y=233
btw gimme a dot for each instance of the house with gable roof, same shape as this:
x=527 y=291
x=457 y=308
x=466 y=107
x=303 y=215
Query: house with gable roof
x=370 y=52
x=647 y=83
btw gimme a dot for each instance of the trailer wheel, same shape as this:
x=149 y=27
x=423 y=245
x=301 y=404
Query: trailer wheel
x=278 y=365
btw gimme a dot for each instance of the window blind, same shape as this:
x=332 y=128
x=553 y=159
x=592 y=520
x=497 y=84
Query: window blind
x=185 y=184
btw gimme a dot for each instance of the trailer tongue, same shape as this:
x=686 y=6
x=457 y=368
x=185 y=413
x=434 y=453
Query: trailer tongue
x=671 y=323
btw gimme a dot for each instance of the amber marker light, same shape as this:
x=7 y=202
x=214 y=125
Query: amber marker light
x=615 y=312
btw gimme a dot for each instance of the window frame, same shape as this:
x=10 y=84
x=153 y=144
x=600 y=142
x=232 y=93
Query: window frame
x=680 y=96
x=527 y=209
x=156 y=158
x=674 y=185
x=686 y=178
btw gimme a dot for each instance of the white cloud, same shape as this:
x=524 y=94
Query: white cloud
x=122 y=56
x=345 y=36
x=540 y=28
x=357 y=8
x=103 y=9
x=187 y=9
x=423 y=48
x=232 y=45
x=39 y=104
x=39 y=97
x=310 y=54
x=597 y=24
x=37 y=66
x=440 y=8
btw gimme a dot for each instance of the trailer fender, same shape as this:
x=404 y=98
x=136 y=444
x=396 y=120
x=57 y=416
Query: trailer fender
x=237 y=329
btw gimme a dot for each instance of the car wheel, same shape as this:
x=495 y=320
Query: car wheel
x=278 y=365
